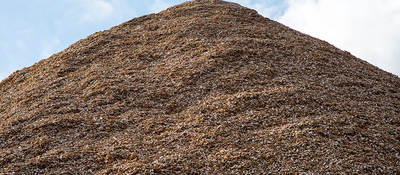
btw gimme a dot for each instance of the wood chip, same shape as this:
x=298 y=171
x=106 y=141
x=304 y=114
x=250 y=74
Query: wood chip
x=205 y=87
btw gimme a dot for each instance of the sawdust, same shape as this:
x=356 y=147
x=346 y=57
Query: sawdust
x=205 y=87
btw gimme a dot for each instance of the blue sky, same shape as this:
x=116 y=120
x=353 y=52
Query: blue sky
x=32 y=30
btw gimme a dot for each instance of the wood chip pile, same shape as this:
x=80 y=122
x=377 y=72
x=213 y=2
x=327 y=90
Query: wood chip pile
x=205 y=87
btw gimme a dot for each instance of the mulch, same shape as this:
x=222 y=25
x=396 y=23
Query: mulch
x=205 y=87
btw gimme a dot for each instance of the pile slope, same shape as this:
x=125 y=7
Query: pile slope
x=204 y=87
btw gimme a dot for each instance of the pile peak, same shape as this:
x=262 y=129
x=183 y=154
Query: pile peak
x=199 y=88
x=207 y=1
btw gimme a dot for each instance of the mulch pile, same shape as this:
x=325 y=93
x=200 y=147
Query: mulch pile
x=205 y=87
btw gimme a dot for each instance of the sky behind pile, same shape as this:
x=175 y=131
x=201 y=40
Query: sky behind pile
x=32 y=30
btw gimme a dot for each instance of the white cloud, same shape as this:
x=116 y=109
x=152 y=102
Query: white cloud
x=159 y=5
x=49 y=47
x=266 y=8
x=242 y=2
x=20 y=44
x=123 y=10
x=368 y=29
x=95 y=10
x=265 y=11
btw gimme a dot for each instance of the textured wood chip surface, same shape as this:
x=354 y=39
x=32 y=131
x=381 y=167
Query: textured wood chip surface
x=205 y=87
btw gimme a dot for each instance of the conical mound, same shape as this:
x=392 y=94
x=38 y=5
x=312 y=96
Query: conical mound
x=205 y=87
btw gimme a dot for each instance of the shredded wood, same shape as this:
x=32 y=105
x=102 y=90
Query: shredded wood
x=205 y=87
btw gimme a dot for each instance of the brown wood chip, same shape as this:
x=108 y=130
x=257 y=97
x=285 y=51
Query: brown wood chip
x=205 y=87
